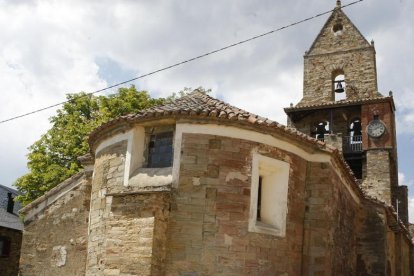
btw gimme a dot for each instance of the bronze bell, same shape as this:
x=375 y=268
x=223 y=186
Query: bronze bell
x=339 y=88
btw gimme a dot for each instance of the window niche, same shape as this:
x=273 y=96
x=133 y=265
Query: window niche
x=338 y=28
x=338 y=85
x=269 y=191
x=150 y=157
x=320 y=129
x=355 y=128
x=10 y=203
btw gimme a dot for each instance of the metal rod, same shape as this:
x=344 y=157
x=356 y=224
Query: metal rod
x=331 y=123
x=397 y=207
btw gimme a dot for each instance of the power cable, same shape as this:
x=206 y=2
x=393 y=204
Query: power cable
x=184 y=61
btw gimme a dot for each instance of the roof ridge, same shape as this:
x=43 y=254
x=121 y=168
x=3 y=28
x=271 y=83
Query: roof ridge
x=10 y=189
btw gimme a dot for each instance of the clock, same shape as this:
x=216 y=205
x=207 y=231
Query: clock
x=375 y=129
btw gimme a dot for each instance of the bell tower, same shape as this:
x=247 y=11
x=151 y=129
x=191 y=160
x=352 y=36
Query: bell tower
x=340 y=64
x=341 y=105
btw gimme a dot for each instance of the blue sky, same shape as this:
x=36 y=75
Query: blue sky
x=50 y=48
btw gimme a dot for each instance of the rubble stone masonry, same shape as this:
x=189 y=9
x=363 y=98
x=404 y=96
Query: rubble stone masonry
x=345 y=52
x=108 y=171
x=9 y=265
x=378 y=179
x=208 y=228
x=55 y=241
x=127 y=232
x=330 y=222
x=201 y=227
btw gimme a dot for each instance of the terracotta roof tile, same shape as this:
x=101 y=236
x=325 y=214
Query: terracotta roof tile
x=193 y=104
x=339 y=104
x=198 y=104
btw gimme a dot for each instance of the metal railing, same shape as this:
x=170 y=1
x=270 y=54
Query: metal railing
x=352 y=144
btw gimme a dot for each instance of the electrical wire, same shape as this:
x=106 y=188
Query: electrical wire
x=184 y=61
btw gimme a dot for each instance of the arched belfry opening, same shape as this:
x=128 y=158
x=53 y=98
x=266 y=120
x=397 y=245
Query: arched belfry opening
x=338 y=28
x=338 y=85
x=320 y=129
x=355 y=135
x=355 y=128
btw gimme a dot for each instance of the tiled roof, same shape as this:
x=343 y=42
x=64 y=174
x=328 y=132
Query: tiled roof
x=201 y=105
x=339 y=104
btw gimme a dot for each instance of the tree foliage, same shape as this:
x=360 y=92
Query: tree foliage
x=53 y=158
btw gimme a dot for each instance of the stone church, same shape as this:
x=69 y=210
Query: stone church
x=200 y=187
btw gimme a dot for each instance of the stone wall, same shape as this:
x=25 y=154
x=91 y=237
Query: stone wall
x=402 y=197
x=347 y=52
x=319 y=71
x=208 y=228
x=201 y=227
x=128 y=226
x=330 y=224
x=405 y=262
x=9 y=266
x=371 y=251
x=383 y=249
x=108 y=171
x=377 y=182
x=55 y=240
x=136 y=234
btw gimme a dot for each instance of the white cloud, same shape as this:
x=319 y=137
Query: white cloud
x=402 y=180
x=50 y=48
x=41 y=59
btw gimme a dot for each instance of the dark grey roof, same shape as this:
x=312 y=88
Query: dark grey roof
x=9 y=220
x=10 y=190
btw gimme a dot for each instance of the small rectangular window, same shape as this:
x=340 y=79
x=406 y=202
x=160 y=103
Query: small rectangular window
x=259 y=199
x=160 y=150
x=269 y=193
x=10 y=203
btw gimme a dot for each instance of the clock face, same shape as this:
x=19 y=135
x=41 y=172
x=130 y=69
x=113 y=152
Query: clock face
x=376 y=128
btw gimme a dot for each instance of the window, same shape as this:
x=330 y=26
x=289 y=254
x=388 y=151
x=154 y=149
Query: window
x=160 y=150
x=4 y=247
x=355 y=135
x=320 y=130
x=259 y=199
x=355 y=128
x=10 y=203
x=268 y=202
x=338 y=28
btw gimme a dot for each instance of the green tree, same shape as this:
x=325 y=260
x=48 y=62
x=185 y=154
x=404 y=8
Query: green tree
x=53 y=158
x=187 y=90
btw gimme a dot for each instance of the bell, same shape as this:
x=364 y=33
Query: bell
x=339 y=88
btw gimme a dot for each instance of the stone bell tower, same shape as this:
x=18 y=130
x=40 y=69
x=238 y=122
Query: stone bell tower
x=341 y=105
